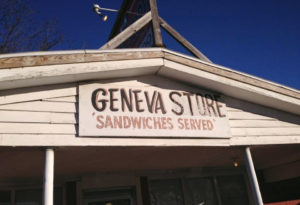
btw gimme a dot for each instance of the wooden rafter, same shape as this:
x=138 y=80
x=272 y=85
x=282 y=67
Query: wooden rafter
x=180 y=39
x=155 y=23
x=128 y=32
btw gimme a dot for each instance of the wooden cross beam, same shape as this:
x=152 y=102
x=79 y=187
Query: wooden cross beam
x=180 y=39
x=128 y=32
x=157 y=23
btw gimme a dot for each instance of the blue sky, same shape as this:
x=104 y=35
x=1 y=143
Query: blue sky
x=259 y=37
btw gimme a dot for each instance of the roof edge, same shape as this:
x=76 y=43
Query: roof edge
x=38 y=59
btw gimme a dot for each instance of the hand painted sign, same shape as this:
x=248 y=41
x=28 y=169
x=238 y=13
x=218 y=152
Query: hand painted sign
x=149 y=111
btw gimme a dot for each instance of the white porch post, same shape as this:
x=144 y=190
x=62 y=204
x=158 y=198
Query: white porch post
x=252 y=177
x=48 y=177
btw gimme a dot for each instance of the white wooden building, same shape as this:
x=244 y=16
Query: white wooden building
x=143 y=126
x=44 y=101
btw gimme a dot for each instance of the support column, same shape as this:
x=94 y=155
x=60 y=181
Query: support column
x=252 y=177
x=48 y=177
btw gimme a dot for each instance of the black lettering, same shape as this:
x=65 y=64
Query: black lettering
x=159 y=105
x=112 y=99
x=137 y=101
x=99 y=105
x=202 y=110
x=188 y=95
x=126 y=100
x=176 y=102
x=210 y=104
x=219 y=106
x=150 y=105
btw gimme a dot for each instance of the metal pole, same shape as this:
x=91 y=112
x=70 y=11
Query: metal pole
x=252 y=177
x=115 y=10
x=48 y=177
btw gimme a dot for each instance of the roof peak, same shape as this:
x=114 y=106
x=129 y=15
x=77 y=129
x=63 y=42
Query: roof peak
x=133 y=28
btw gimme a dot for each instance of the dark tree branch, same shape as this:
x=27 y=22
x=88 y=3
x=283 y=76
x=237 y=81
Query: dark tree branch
x=20 y=29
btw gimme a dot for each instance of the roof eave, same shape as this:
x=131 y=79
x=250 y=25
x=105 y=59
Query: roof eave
x=44 y=68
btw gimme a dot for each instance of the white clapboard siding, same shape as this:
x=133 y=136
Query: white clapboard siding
x=251 y=120
x=237 y=114
x=246 y=116
x=41 y=106
x=282 y=131
x=37 y=93
x=262 y=140
x=37 y=117
x=69 y=99
x=238 y=109
x=260 y=123
x=36 y=128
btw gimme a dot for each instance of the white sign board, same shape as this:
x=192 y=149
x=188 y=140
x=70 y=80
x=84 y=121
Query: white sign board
x=125 y=111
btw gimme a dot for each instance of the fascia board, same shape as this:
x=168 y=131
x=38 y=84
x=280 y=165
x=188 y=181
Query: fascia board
x=80 y=71
x=66 y=73
x=229 y=87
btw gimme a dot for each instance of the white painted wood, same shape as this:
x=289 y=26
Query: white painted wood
x=223 y=68
x=72 y=140
x=237 y=88
x=70 y=99
x=284 y=131
x=38 y=117
x=48 y=177
x=41 y=53
x=264 y=140
x=42 y=106
x=246 y=116
x=230 y=87
x=37 y=128
x=260 y=123
x=65 y=73
x=36 y=93
x=236 y=106
x=46 y=53
x=170 y=120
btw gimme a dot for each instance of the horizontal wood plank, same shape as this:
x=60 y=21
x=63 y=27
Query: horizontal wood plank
x=83 y=57
x=69 y=99
x=42 y=106
x=63 y=73
x=246 y=116
x=260 y=123
x=36 y=128
x=283 y=131
x=36 y=93
x=72 y=140
x=37 y=117
x=129 y=55
x=264 y=140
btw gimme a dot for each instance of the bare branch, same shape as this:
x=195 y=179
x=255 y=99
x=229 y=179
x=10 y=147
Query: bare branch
x=20 y=29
